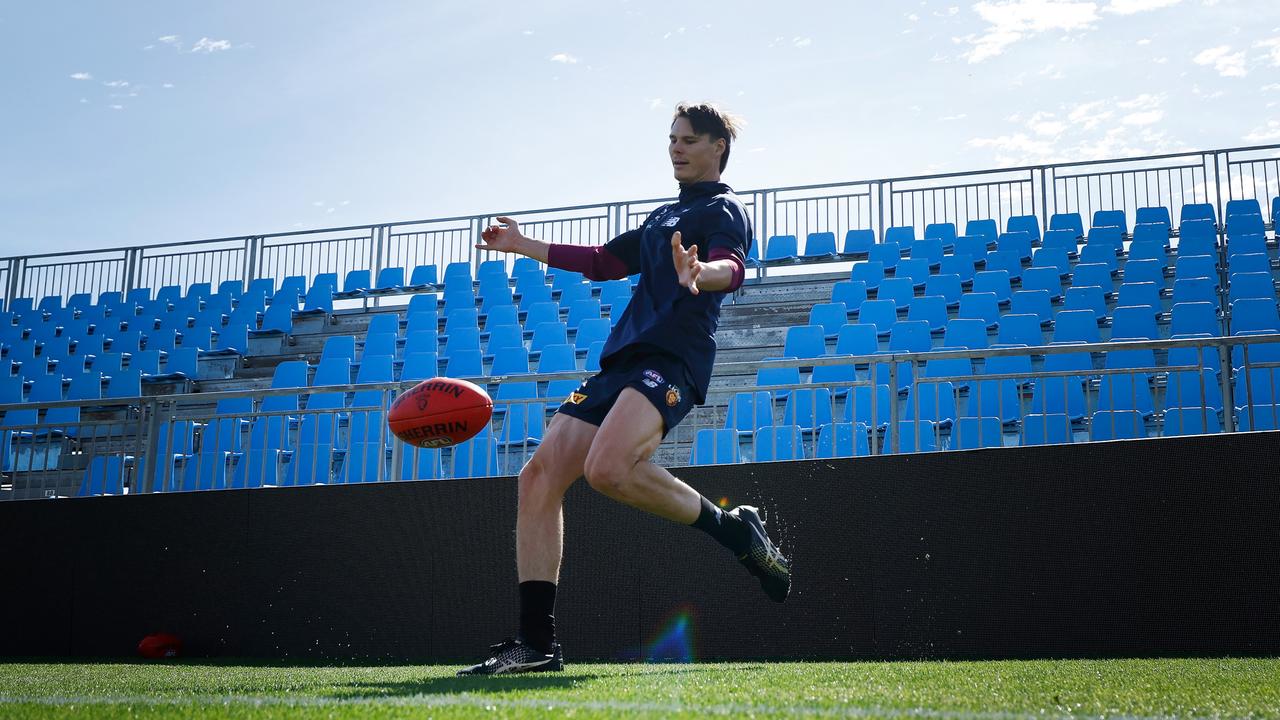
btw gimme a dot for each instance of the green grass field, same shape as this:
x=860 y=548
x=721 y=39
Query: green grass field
x=1034 y=690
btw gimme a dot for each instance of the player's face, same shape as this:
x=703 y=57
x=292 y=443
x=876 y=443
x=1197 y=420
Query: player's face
x=695 y=158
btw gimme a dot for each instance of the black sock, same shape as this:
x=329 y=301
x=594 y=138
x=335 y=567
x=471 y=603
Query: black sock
x=537 y=614
x=728 y=530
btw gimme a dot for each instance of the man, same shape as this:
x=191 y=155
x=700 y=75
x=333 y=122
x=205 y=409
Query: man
x=655 y=366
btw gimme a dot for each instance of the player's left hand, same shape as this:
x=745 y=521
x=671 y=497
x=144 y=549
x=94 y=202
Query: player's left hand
x=688 y=267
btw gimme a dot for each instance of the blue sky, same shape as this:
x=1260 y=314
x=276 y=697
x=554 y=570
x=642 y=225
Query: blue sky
x=145 y=122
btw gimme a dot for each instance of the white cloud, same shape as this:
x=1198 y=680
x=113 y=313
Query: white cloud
x=1130 y=7
x=1014 y=20
x=1265 y=134
x=167 y=86
x=1272 y=45
x=564 y=58
x=913 y=17
x=205 y=45
x=1144 y=41
x=1225 y=62
x=1089 y=115
x=950 y=118
x=655 y=103
x=1269 y=88
x=1141 y=102
x=117 y=107
x=1143 y=117
x=527 y=32
x=802 y=42
x=117 y=84
x=169 y=40
x=81 y=76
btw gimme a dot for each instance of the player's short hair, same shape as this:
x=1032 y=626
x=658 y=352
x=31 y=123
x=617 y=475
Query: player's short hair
x=707 y=119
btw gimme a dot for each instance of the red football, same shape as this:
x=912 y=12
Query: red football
x=440 y=412
x=159 y=645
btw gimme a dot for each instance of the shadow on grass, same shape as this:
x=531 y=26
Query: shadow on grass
x=506 y=683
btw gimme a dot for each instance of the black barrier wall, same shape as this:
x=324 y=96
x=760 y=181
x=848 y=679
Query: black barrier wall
x=1147 y=547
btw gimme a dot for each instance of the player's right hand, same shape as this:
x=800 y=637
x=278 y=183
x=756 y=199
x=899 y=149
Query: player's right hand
x=501 y=238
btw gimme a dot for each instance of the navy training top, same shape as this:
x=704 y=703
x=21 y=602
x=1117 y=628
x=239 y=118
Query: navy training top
x=663 y=314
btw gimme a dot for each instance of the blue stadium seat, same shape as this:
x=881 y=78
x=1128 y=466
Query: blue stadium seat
x=375 y=368
x=902 y=235
x=1190 y=421
x=944 y=231
x=1158 y=215
x=1018 y=243
x=594 y=352
x=420 y=341
x=948 y=286
x=1150 y=233
x=420 y=464
x=999 y=397
x=423 y=275
x=1089 y=297
x=883 y=314
x=104 y=476
x=1024 y=223
x=492 y=298
x=1020 y=329
x=778 y=376
x=1106 y=239
x=748 y=412
x=1052 y=257
x=888 y=254
x=1127 y=391
x=1004 y=260
x=562 y=279
x=477 y=457
x=1197 y=211
x=928 y=249
x=842 y=440
x=390 y=279
x=781 y=248
x=492 y=269
x=1151 y=271
x=422 y=321
x=419 y=366
x=857 y=339
x=980 y=306
x=522 y=422
x=917 y=436
x=458 y=270
x=1194 y=290
x=124 y=384
x=971 y=433
x=1238 y=225
x=858 y=242
x=1251 y=244
x=1199 y=242
x=365 y=459
x=1067 y=221
x=1033 y=302
x=714 y=447
x=379 y=343
x=557 y=357
x=1195 y=318
x=504 y=337
x=581 y=310
x=805 y=341
x=820 y=245
x=1043 y=278
x=590 y=331
x=1135 y=294
x=1110 y=218
x=965 y=333
x=960 y=265
x=536 y=295
x=1045 y=429
x=975 y=246
x=462 y=339
x=1116 y=425
x=1100 y=254
x=914 y=268
x=898 y=289
x=464 y=364
x=934 y=401
x=983 y=228
x=995 y=282
x=1251 y=285
x=778 y=442
x=548 y=333
x=1062 y=394
x=339 y=346
x=1134 y=323
x=571 y=293
x=869 y=273
x=931 y=309
x=808 y=409
x=1183 y=389
x=1065 y=240
x=1190 y=266
x=829 y=316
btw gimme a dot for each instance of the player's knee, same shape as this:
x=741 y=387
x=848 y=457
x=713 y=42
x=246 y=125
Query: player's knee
x=607 y=476
x=534 y=481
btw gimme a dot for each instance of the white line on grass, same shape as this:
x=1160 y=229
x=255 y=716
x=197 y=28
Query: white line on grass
x=487 y=701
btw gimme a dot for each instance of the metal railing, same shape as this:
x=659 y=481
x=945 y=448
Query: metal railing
x=890 y=402
x=1213 y=176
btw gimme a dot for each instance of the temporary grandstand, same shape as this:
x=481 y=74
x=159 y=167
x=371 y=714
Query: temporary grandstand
x=1064 y=303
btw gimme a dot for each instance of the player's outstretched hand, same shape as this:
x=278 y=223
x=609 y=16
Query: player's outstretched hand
x=686 y=261
x=501 y=238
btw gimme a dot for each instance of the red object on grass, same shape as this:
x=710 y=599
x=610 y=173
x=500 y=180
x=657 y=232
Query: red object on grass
x=160 y=645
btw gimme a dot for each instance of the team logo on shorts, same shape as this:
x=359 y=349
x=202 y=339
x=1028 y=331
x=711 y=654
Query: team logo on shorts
x=673 y=396
x=671 y=221
x=576 y=398
x=652 y=378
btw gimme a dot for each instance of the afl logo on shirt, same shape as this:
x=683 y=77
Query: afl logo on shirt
x=652 y=378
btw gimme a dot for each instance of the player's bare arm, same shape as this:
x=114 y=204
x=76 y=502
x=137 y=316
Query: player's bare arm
x=507 y=238
x=696 y=275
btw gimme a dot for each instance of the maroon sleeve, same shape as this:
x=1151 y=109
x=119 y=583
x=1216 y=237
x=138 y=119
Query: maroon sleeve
x=595 y=263
x=739 y=268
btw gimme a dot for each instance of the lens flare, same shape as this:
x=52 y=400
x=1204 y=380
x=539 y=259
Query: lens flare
x=724 y=502
x=674 y=644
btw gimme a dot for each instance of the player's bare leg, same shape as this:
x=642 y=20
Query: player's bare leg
x=618 y=466
x=544 y=480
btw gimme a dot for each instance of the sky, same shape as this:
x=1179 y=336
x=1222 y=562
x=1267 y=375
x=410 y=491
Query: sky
x=126 y=124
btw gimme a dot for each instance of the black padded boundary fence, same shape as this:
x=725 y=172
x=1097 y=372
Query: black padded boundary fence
x=1150 y=547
